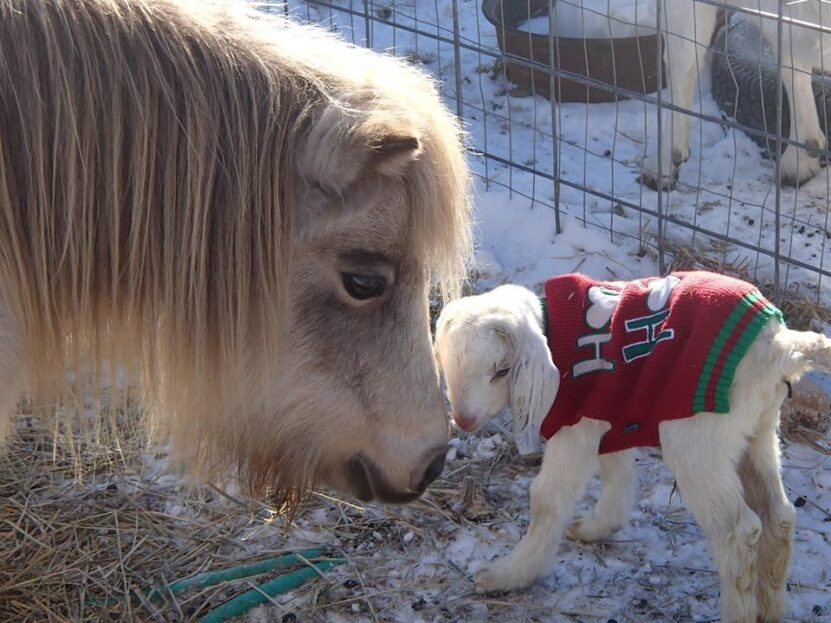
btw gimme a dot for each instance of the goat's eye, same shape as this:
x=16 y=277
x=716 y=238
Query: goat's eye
x=501 y=373
x=363 y=286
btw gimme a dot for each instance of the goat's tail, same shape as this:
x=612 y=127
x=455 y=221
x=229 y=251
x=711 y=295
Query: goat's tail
x=803 y=351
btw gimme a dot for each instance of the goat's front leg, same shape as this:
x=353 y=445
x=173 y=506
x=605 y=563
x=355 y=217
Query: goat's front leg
x=617 y=495
x=569 y=462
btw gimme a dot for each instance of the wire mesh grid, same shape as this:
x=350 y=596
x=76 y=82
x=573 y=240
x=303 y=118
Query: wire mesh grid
x=582 y=156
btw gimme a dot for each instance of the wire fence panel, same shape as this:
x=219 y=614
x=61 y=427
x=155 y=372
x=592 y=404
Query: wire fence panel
x=571 y=136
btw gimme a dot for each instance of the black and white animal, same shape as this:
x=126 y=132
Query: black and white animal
x=689 y=29
x=493 y=353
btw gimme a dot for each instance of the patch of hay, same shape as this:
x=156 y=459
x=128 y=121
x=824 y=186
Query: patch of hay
x=806 y=416
x=85 y=521
x=84 y=549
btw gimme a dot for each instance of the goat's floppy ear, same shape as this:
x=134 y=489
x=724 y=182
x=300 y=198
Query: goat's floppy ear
x=339 y=148
x=443 y=323
x=535 y=380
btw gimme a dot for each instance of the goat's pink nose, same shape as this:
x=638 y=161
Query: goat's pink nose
x=465 y=422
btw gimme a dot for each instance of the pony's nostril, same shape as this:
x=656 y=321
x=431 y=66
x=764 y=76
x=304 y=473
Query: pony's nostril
x=435 y=468
x=432 y=472
x=359 y=479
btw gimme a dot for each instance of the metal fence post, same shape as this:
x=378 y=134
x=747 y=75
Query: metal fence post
x=777 y=166
x=367 y=24
x=659 y=5
x=555 y=139
x=457 y=60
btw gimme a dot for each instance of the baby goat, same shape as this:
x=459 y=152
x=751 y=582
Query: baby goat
x=695 y=363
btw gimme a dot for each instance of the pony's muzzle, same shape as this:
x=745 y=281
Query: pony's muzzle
x=368 y=481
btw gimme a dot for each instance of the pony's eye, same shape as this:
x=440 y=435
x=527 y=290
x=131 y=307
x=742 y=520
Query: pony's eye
x=501 y=373
x=363 y=286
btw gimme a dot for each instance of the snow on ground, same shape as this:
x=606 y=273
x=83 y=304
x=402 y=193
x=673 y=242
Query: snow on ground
x=417 y=565
x=529 y=251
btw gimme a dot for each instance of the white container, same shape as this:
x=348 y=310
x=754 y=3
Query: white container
x=597 y=19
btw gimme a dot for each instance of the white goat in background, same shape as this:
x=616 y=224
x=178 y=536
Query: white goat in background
x=689 y=27
x=493 y=353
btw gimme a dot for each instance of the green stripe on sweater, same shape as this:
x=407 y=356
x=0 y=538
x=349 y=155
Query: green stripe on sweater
x=742 y=306
x=737 y=353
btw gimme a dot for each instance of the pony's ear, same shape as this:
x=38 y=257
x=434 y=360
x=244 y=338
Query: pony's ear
x=339 y=148
x=535 y=380
x=391 y=154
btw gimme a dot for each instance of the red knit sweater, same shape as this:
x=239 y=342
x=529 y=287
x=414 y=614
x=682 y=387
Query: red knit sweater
x=638 y=353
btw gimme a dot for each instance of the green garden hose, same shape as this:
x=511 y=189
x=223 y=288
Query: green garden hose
x=210 y=578
x=243 y=603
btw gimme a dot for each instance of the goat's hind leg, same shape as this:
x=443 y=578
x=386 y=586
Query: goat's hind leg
x=711 y=488
x=617 y=495
x=765 y=493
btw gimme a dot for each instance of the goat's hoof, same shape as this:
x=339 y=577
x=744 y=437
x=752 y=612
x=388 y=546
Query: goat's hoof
x=588 y=529
x=773 y=611
x=497 y=577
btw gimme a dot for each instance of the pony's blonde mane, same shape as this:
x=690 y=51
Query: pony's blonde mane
x=147 y=172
